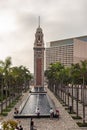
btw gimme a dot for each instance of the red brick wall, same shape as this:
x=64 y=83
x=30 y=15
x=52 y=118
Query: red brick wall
x=39 y=71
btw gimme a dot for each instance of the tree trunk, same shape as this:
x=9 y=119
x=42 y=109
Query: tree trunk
x=72 y=98
x=68 y=96
x=81 y=93
x=83 y=102
x=6 y=95
x=77 y=100
x=65 y=95
x=2 y=98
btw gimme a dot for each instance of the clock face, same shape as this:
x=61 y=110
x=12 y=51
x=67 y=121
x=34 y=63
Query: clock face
x=38 y=44
x=39 y=53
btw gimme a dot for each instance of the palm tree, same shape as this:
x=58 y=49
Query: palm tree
x=26 y=76
x=22 y=77
x=1 y=89
x=12 y=80
x=75 y=76
x=52 y=75
x=64 y=80
x=83 y=67
x=6 y=66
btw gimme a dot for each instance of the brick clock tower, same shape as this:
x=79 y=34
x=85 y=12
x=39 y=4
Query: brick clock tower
x=39 y=58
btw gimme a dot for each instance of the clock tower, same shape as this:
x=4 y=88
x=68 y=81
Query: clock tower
x=39 y=58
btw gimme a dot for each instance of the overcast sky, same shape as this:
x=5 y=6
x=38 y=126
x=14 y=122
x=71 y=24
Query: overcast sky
x=60 y=19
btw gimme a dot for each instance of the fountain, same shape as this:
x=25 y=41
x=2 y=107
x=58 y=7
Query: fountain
x=36 y=99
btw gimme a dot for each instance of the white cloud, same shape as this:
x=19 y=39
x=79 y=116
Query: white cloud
x=19 y=19
x=7 y=22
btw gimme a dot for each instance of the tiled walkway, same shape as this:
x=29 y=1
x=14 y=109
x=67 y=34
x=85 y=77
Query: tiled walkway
x=64 y=123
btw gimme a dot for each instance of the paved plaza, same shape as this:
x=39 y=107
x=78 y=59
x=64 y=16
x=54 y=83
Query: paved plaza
x=64 y=123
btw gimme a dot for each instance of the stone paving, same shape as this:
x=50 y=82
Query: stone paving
x=64 y=123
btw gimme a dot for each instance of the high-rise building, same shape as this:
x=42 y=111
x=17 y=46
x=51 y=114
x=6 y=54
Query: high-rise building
x=67 y=51
x=39 y=58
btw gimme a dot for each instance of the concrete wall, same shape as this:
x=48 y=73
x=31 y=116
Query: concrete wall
x=79 y=51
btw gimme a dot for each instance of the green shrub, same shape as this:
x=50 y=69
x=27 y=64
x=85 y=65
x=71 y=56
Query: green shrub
x=72 y=112
x=11 y=106
x=66 y=108
x=7 y=109
x=82 y=124
x=4 y=113
x=76 y=117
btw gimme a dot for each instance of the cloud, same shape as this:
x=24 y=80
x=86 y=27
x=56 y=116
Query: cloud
x=25 y=57
x=60 y=19
x=26 y=21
